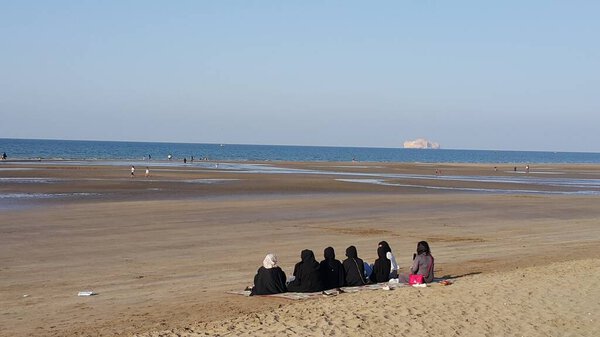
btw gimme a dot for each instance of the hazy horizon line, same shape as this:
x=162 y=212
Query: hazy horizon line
x=291 y=145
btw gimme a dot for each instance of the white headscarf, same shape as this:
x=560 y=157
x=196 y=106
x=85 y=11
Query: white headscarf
x=270 y=261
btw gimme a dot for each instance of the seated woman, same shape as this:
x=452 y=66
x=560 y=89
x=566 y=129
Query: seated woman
x=354 y=268
x=423 y=264
x=307 y=274
x=269 y=279
x=390 y=256
x=332 y=271
x=381 y=268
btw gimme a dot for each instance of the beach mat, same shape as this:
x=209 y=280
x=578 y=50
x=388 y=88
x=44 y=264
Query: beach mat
x=288 y=295
x=333 y=292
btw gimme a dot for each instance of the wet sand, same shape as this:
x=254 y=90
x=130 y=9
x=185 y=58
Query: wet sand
x=161 y=252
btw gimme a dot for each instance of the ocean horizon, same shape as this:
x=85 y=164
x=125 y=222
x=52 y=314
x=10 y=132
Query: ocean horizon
x=52 y=149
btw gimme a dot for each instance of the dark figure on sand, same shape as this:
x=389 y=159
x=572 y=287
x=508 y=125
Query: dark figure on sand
x=382 y=266
x=269 y=279
x=332 y=270
x=307 y=274
x=354 y=268
x=390 y=256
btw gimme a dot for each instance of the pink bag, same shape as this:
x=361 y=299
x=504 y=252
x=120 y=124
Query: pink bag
x=415 y=279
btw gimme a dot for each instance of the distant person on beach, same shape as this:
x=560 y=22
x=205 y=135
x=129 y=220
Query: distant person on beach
x=132 y=171
x=332 y=270
x=423 y=264
x=184 y=160
x=515 y=169
x=149 y=157
x=147 y=172
x=4 y=156
x=354 y=268
x=390 y=256
x=269 y=279
x=381 y=268
x=307 y=274
x=527 y=169
x=169 y=156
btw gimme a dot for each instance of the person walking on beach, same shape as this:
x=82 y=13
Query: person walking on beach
x=4 y=156
x=132 y=171
x=147 y=172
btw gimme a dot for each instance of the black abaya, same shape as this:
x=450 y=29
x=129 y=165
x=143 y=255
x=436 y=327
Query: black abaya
x=307 y=275
x=269 y=281
x=354 y=268
x=332 y=271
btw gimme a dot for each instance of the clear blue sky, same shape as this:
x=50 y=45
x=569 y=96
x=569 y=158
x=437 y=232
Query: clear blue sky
x=509 y=75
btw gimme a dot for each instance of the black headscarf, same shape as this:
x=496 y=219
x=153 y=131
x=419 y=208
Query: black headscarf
x=351 y=252
x=381 y=269
x=386 y=246
x=308 y=277
x=332 y=271
x=354 y=268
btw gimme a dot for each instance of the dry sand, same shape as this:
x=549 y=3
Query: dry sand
x=531 y=301
x=161 y=253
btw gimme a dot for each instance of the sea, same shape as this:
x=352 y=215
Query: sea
x=38 y=149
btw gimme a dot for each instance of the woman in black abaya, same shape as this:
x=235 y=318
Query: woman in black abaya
x=381 y=268
x=332 y=271
x=307 y=274
x=354 y=268
x=269 y=279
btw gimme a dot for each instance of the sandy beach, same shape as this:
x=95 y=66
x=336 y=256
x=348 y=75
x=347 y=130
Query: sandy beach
x=161 y=252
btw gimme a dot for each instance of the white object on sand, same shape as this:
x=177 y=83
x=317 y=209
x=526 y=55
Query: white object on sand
x=86 y=293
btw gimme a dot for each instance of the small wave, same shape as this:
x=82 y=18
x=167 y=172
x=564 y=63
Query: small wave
x=44 y=195
x=468 y=189
x=30 y=180
x=208 y=181
x=15 y=168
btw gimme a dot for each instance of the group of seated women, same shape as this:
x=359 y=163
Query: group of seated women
x=312 y=276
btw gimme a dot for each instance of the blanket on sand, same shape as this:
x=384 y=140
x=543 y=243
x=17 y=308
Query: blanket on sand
x=334 y=292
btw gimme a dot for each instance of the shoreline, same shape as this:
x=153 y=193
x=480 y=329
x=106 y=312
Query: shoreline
x=162 y=260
